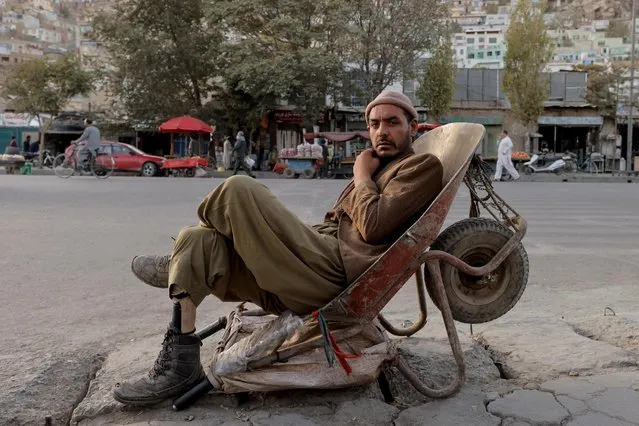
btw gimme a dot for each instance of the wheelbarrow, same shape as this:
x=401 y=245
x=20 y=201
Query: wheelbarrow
x=474 y=271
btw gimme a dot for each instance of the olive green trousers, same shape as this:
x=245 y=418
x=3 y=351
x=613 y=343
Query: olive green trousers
x=249 y=247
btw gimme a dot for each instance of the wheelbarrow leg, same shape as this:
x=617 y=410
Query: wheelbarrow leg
x=192 y=395
x=211 y=329
x=401 y=364
x=204 y=386
x=421 y=322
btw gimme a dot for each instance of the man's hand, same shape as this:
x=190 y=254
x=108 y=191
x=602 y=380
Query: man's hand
x=366 y=164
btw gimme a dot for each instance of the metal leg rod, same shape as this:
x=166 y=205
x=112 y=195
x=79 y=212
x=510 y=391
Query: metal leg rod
x=453 y=338
x=212 y=328
x=421 y=322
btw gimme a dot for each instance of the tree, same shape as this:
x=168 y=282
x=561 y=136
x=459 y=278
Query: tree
x=528 y=50
x=437 y=86
x=284 y=49
x=40 y=87
x=603 y=86
x=618 y=29
x=162 y=57
x=385 y=39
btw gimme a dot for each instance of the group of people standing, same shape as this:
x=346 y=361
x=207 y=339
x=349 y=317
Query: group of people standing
x=236 y=154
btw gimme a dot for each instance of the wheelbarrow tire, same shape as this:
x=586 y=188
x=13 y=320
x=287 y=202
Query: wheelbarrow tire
x=475 y=300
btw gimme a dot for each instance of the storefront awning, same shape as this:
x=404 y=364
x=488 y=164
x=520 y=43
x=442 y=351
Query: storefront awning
x=587 y=121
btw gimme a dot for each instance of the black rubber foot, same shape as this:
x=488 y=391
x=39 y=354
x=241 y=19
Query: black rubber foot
x=384 y=386
x=242 y=398
x=189 y=398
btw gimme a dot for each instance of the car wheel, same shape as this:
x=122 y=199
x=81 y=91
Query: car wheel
x=149 y=169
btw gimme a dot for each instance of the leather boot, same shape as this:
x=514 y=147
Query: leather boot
x=176 y=370
x=152 y=270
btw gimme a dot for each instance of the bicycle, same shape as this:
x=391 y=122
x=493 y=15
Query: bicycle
x=66 y=165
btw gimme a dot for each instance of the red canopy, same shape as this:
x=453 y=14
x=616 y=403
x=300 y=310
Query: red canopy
x=185 y=124
x=338 y=136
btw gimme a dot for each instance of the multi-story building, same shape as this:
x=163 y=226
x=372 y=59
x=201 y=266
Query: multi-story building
x=481 y=47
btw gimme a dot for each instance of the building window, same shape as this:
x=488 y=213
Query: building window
x=489 y=53
x=470 y=40
x=481 y=39
x=480 y=55
x=492 y=40
x=497 y=53
x=471 y=56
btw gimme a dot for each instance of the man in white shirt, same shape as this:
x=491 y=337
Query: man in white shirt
x=504 y=157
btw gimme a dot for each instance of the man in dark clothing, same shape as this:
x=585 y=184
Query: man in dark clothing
x=240 y=150
x=324 y=168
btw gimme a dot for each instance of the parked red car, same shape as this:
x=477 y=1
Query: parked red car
x=130 y=159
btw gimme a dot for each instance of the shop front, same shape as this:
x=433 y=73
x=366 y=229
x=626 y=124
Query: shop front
x=577 y=134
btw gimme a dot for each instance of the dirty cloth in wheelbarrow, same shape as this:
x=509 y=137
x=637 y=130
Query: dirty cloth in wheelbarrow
x=250 y=338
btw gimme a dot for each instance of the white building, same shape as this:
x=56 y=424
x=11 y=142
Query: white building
x=480 y=47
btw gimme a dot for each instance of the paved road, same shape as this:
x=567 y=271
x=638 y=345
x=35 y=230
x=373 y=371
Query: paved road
x=69 y=295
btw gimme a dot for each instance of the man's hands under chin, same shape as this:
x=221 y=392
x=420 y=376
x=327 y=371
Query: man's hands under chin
x=366 y=164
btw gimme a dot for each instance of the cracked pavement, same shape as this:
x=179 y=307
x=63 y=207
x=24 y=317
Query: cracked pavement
x=75 y=310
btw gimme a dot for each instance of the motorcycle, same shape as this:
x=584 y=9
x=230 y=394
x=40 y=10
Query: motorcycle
x=531 y=166
x=47 y=159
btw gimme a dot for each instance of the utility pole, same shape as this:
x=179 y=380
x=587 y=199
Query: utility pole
x=632 y=86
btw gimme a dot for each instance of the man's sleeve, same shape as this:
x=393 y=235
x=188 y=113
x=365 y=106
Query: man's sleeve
x=378 y=215
x=85 y=135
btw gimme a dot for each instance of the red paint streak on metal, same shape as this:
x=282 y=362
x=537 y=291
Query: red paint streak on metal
x=367 y=296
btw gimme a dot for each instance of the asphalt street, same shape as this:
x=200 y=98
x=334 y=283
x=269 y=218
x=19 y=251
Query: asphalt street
x=69 y=295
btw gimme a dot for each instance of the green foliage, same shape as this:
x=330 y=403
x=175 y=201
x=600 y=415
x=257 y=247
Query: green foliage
x=437 y=86
x=39 y=86
x=603 y=82
x=283 y=50
x=162 y=56
x=386 y=38
x=528 y=50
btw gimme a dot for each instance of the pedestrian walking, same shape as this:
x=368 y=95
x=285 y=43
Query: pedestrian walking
x=504 y=157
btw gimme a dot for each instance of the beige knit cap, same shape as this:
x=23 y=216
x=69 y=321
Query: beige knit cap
x=394 y=98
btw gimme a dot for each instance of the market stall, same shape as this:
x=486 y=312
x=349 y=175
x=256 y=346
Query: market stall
x=185 y=166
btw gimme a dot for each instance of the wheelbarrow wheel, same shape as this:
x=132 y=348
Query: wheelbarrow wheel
x=475 y=300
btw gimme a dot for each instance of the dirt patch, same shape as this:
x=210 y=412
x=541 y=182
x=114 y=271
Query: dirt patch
x=615 y=330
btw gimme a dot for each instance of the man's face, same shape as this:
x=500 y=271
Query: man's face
x=390 y=130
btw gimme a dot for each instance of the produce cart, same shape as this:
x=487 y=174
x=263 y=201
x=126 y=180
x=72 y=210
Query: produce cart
x=11 y=163
x=306 y=167
x=184 y=166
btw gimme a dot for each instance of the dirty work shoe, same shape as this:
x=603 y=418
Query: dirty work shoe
x=176 y=370
x=152 y=270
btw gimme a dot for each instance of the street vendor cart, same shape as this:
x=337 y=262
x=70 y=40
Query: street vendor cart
x=184 y=166
x=11 y=163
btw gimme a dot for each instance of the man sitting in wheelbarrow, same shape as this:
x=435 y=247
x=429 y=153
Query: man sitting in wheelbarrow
x=249 y=247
